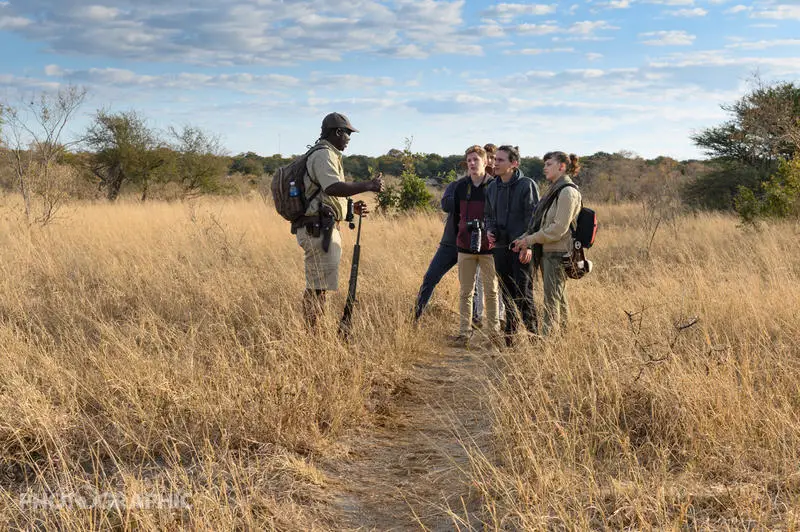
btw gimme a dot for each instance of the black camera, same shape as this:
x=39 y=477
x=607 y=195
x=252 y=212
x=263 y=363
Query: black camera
x=475 y=228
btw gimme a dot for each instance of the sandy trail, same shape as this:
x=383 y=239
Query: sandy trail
x=410 y=471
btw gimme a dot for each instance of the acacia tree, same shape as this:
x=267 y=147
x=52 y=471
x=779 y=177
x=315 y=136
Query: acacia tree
x=125 y=150
x=34 y=139
x=763 y=131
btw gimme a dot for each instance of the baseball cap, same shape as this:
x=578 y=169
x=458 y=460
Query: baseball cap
x=334 y=120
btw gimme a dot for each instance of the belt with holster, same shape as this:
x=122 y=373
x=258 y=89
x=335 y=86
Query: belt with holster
x=322 y=224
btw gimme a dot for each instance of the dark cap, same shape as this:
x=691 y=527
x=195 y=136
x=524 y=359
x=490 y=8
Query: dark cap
x=334 y=120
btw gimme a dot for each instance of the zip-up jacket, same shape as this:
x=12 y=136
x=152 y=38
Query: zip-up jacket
x=448 y=206
x=554 y=233
x=469 y=202
x=509 y=207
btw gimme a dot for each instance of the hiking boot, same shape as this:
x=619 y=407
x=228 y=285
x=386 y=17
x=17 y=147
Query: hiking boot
x=534 y=338
x=509 y=340
x=497 y=340
x=459 y=340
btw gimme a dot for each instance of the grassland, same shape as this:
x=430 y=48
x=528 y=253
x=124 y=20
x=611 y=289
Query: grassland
x=156 y=350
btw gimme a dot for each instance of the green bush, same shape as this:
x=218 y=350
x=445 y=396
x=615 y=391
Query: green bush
x=779 y=198
x=413 y=193
x=388 y=199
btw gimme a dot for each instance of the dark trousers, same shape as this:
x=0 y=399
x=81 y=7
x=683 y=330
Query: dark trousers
x=443 y=261
x=516 y=286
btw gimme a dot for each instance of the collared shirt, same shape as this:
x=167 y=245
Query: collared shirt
x=324 y=168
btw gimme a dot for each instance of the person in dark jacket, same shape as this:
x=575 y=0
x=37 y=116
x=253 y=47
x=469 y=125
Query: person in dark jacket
x=446 y=255
x=510 y=200
x=468 y=211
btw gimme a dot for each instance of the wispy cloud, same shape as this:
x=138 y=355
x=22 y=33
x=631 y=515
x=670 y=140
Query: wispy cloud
x=537 y=29
x=14 y=23
x=614 y=4
x=207 y=32
x=763 y=44
x=587 y=30
x=693 y=12
x=672 y=2
x=538 y=51
x=667 y=38
x=778 y=12
x=739 y=8
x=507 y=12
x=773 y=66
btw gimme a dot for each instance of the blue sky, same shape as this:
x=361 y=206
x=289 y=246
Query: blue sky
x=582 y=76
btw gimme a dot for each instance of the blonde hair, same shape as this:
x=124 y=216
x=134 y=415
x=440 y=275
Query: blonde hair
x=476 y=148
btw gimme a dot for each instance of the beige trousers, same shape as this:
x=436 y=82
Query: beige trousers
x=322 y=269
x=467 y=266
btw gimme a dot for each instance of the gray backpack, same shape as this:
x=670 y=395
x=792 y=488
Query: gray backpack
x=289 y=189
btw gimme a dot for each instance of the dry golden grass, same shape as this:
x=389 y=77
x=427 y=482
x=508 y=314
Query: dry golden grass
x=641 y=423
x=157 y=349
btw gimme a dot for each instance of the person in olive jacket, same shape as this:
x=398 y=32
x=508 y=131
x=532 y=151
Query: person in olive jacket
x=510 y=200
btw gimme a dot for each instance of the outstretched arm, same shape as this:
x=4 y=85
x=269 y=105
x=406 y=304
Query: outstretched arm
x=342 y=189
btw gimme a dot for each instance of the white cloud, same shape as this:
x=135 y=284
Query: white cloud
x=737 y=9
x=693 y=12
x=587 y=28
x=507 y=12
x=537 y=29
x=615 y=4
x=14 y=23
x=667 y=38
x=592 y=56
x=97 y=13
x=242 y=82
x=763 y=44
x=774 y=66
x=491 y=29
x=53 y=71
x=672 y=2
x=538 y=51
x=779 y=12
x=251 y=32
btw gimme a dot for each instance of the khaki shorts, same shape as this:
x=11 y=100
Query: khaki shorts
x=322 y=269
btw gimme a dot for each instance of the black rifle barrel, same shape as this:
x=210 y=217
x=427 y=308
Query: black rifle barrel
x=347 y=315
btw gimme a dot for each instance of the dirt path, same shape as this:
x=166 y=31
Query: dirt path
x=409 y=473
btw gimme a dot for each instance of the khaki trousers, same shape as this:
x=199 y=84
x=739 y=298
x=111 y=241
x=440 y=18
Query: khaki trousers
x=556 y=309
x=467 y=266
x=322 y=269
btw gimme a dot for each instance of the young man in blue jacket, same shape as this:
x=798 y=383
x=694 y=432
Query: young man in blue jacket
x=510 y=200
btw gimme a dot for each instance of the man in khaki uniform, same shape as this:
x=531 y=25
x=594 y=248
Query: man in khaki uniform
x=318 y=231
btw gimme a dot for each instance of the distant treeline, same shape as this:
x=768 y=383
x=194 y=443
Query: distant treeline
x=605 y=176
